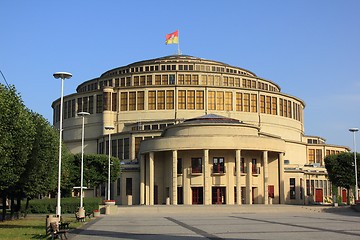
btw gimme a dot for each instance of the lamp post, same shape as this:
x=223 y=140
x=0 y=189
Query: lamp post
x=108 y=188
x=354 y=130
x=81 y=209
x=62 y=76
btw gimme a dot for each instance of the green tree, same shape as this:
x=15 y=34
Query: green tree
x=40 y=175
x=16 y=133
x=96 y=169
x=340 y=168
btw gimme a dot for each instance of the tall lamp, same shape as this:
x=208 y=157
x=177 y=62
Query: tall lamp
x=354 y=130
x=62 y=76
x=81 y=209
x=108 y=188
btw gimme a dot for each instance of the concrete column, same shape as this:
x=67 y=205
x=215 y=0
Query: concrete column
x=281 y=179
x=207 y=184
x=174 y=178
x=249 y=183
x=238 y=177
x=151 y=178
x=266 y=177
x=142 y=180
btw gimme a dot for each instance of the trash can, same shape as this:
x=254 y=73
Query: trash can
x=49 y=219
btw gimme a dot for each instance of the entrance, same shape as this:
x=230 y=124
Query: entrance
x=344 y=198
x=218 y=195
x=197 y=195
x=318 y=195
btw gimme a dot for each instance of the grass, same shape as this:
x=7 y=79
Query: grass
x=31 y=227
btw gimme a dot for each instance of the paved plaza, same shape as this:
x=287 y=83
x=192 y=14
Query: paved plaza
x=224 y=222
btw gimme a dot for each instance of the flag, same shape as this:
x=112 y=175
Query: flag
x=172 y=38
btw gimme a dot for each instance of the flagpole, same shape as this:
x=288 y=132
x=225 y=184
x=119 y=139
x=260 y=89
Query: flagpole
x=179 y=53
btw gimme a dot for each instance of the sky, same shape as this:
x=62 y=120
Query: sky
x=311 y=49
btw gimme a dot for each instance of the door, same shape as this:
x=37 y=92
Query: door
x=156 y=200
x=344 y=198
x=197 y=195
x=218 y=195
x=318 y=195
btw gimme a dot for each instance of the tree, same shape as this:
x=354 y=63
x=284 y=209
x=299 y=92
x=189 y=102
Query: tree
x=96 y=169
x=16 y=133
x=340 y=168
x=40 y=175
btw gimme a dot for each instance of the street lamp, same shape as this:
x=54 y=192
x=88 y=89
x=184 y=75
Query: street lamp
x=62 y=76
x=354 y=130
x=108 y=188
x=81 y=209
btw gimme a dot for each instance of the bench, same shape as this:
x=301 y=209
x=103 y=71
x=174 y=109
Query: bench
x=56 y=232
x=78 y=218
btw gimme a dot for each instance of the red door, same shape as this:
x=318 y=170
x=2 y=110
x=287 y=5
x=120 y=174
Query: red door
x=344 y=198
x=318 y=195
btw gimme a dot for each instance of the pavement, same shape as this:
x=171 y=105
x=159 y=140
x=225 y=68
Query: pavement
x=224 y=222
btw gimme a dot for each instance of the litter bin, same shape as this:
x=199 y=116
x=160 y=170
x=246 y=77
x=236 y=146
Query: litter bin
x=50 y=219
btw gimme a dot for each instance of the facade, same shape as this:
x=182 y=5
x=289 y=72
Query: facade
x=193 y=131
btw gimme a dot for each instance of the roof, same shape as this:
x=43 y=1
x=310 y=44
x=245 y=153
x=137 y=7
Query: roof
x=212 y=118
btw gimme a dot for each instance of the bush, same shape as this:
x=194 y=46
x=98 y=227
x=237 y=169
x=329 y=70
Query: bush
x=68 y=205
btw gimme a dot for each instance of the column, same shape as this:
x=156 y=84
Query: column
x=174 y=178
x=249 y=182
x=151 y=178
x=238 y=177
x=281 y=179
x=207 y=184
x=266 y=177
x=142 y=180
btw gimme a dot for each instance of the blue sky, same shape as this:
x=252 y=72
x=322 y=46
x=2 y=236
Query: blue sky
x=310 y=48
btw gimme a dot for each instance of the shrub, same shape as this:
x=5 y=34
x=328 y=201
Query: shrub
x=68 y=205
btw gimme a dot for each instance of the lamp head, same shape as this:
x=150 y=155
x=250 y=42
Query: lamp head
x=83 y=114
x=62 y=75
x=109 y=128
x=353 y=129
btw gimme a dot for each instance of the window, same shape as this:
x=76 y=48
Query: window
x=124 y=101
x=140 y=100
x=199 y=100
x=311 y=156
x=126 y=148
x=161 y=100
x=253 y=103
x=318 y=158
x=196 y=165
x=197 y=195
x=128 y=186
x=91 y=105
x=152 y=100
x=211 y=100
x=308 y=192
x=220 y=101
x=292 y=188
x=172 y=79
x=262 y=104
x=238 y=101
x=132 y=101
x=274 y=106
x=218 y=165
x=137 y=145
x=99 y=103
x=254 y=169
x=182 y=99
x=246 y=102
x=179 y=166
x=170 y=99
x=228 y=101
x=191 y=99
x=242 y=165
x=268 y=104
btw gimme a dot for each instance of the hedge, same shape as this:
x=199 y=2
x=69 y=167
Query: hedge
x=68 y=205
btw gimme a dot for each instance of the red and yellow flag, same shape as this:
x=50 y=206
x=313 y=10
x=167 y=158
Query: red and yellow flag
x=172 y=38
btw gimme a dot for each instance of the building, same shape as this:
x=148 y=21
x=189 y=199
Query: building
x=190 y=130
